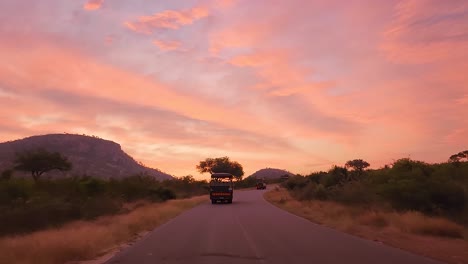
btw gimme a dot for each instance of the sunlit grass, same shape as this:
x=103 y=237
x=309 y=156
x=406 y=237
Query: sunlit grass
x=436 y=237
x=82 y=240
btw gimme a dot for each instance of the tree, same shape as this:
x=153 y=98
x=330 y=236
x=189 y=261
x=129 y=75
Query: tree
x=223 y=164
x=455 y=158
x=357 y=164
x=6 y=174
x=41 y=161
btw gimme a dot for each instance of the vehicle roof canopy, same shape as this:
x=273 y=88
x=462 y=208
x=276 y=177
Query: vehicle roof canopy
x=221 y=175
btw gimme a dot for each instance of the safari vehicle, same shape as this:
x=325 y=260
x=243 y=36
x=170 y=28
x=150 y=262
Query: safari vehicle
x=261 y=184
x=221 y=187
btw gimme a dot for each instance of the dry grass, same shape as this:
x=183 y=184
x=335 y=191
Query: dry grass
x=85 y=240
x=434 y=237
x=418 y=223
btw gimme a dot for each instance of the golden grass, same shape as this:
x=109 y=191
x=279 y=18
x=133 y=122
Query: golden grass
x=434 y=237
x=85 y=240
x=418 y=223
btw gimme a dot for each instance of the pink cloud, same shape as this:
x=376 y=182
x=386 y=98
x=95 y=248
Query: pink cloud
x=223 y=4
x=169 y=19
x=241 y=35
x=167 y=45
x=426 y=31
x=92 y=5
x=318 y=82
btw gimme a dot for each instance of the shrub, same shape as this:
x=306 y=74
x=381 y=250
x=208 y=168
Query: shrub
x=295 y=182
x=353 y=193
x=161 y=194
x=29 y=205
x=92 y=186
x=407 y=185
x=6 y=174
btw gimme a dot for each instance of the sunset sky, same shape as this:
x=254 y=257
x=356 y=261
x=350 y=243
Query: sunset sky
x=297 y=85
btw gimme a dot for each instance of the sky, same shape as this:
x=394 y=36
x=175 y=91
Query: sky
x=300 y=85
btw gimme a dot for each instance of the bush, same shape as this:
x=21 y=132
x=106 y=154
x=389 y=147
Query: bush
x=14 y=190
x=6 y=174
x=36 y=214
x=296 y=182
x=158 y=194
x=92 y=208
x=407 y=185
x=246 y=183
x=92 y=186
x=353 y=193
x=28 y=205
x=413 y=188
x=311 y=191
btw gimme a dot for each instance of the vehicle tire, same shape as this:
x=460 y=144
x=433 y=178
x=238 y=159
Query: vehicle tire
x=230 y=201
x=213 y=201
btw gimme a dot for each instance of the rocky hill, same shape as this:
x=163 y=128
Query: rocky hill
x=270 y=173
x=90 y=156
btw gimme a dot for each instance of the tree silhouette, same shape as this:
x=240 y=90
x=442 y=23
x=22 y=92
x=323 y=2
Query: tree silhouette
x=459 y=156
x=223 y=164
x=358 y=165
x=41 y=161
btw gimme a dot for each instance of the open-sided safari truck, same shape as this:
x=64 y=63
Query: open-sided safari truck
x=221 y=187
x=261 y=184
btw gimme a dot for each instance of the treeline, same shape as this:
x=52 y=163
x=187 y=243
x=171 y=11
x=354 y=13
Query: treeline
x=28 y=204
x=251 y=182
x=406 y=185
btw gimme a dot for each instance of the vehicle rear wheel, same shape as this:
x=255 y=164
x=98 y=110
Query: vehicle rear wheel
x=230 y=201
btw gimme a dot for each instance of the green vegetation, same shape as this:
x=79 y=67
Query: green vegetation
x=251 y=182
x=406 y=185
x=85 y=240
x=460 y=156
x=223 y=164
x=28 y=205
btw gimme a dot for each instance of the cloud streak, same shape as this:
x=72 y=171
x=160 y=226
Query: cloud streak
x=299 y=85
x=168 y=19
x=167 y=45
x=427 y=31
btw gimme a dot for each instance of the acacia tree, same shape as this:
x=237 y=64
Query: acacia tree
x=223 y=164
x=459 y=156
x=357 y=164
x=41 y=161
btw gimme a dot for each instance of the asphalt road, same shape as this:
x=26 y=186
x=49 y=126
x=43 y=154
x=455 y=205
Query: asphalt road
x=250 y=230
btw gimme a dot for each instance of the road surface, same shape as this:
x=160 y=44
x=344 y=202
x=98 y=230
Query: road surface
x=250 y=230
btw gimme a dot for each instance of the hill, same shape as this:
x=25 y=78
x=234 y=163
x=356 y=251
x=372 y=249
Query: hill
x=90 y=156
x=270 y=173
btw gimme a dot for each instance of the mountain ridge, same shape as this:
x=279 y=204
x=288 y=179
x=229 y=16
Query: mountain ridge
x=89 y=155
x=270 y=173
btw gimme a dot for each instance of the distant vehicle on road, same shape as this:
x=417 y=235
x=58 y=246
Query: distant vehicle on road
x=261 y=184
x=221 y=187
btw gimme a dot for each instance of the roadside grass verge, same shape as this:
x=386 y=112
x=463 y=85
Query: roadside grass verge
x=82 y=240
x=435 y=237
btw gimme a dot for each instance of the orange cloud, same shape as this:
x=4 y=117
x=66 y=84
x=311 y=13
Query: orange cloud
x=224 y=3
x=278 y=75
x=167 y=45
x=120 y=106
x=27 y=72
x=92 y=5
x=169 y=19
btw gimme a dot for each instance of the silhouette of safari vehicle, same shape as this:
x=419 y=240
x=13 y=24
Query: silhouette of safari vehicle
x=221 y=187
